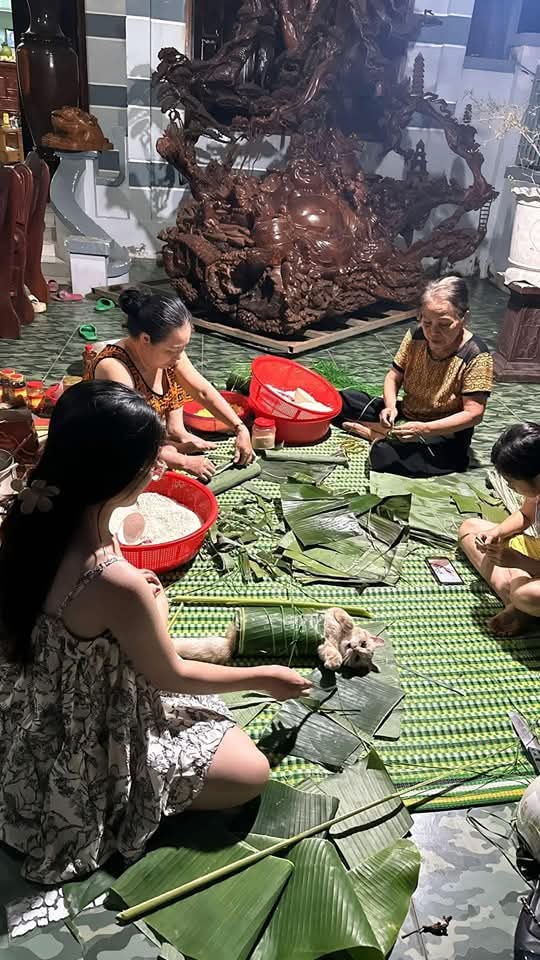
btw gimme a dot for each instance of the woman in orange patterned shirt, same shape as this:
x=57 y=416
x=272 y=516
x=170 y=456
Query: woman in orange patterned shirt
x=446 y=373
x=152 y=360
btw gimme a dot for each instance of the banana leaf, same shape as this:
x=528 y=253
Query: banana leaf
x=389 y=876
x=278 y=632
x=80 y=893
x=169 y=952
x=355 y=561
x=245 y=707
x=366 y=701
x=220 y=922
x=493 y=514
x=234 y=477
x=279 y=471
x=299 y=732
x=302 y=492
x=437 y=506
x=361 y=503
x=362 y=836
x=324 y=528
x=465 y=504
x=338 y=458
x=286 y=812
x=319 y=913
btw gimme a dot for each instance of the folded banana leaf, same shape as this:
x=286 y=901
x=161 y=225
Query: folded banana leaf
x=338 y=924
x=279 y=632
x=286 y=812
x=438 y=505
x=365 y=702
x=493 y=514
x=234 y=477
x=336 y=459
x=280 y=471
x=355 y=561
x=391 y=875
x=362 y=835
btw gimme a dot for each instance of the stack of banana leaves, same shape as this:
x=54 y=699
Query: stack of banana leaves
x=434 y=509
x=338 y=538
x=297 y=897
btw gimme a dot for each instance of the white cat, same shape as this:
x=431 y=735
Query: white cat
x=343 y=645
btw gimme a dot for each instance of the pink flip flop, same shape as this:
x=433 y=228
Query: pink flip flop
x=64 y=296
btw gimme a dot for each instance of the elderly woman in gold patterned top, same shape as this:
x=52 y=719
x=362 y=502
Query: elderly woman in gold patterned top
x=446 y=373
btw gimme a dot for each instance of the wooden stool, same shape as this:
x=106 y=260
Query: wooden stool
x=517 y=354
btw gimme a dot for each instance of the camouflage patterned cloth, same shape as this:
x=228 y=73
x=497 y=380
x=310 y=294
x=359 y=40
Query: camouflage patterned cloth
x=463 y=875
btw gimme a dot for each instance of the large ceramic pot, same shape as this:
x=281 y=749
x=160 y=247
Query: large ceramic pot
x=524 y=257
x=48 y=68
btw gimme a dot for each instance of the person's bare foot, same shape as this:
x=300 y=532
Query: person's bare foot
x=510 y=622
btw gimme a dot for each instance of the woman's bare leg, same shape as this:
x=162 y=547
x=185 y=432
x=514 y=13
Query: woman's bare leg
x=238 y=773
x=365 y=430
x=512 y=585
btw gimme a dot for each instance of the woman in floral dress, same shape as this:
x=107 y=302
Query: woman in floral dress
x=103 y=728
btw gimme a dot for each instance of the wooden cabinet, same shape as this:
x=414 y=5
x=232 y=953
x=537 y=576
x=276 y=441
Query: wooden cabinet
x=9 y=89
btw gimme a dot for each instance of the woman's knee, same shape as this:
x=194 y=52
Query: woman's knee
x=239 y=761
x=257 y=772
x=473 y=525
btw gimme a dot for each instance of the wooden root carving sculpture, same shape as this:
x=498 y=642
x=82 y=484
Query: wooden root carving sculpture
x=318 y=238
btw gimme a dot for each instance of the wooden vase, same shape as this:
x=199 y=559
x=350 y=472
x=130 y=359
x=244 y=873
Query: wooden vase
x=48 y=68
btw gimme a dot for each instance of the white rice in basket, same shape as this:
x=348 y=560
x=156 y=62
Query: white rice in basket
x=165 y=519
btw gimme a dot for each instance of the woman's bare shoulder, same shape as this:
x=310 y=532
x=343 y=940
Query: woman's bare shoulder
x=112 y=368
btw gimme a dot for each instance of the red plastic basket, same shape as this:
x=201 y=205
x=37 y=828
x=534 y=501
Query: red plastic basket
x=285 y=374
x=294 y=424
x=210 y=424
x=160 y=557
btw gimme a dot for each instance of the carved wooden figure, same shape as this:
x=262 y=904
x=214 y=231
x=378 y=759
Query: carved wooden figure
x=317 y=239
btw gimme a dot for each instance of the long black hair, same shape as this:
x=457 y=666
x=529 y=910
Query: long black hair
x=516 y=453
x=102 y=437
x=153 y=314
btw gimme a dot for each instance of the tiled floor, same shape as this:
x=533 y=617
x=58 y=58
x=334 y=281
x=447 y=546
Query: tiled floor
x=462 y=873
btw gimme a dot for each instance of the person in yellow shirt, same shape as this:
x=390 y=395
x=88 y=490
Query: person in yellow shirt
x=446 y=373
x=507 y=554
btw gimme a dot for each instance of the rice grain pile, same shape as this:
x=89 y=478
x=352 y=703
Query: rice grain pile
x=165 y=519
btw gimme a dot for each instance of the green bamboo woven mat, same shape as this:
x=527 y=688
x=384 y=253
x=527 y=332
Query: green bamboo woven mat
x=461 y=735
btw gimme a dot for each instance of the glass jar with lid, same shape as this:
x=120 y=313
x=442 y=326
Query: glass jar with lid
x=35 y=394
x=263 y=434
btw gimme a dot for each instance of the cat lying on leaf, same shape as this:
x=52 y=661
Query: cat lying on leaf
x=333 y=635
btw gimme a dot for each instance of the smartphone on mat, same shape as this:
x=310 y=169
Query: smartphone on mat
x=444 y=571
